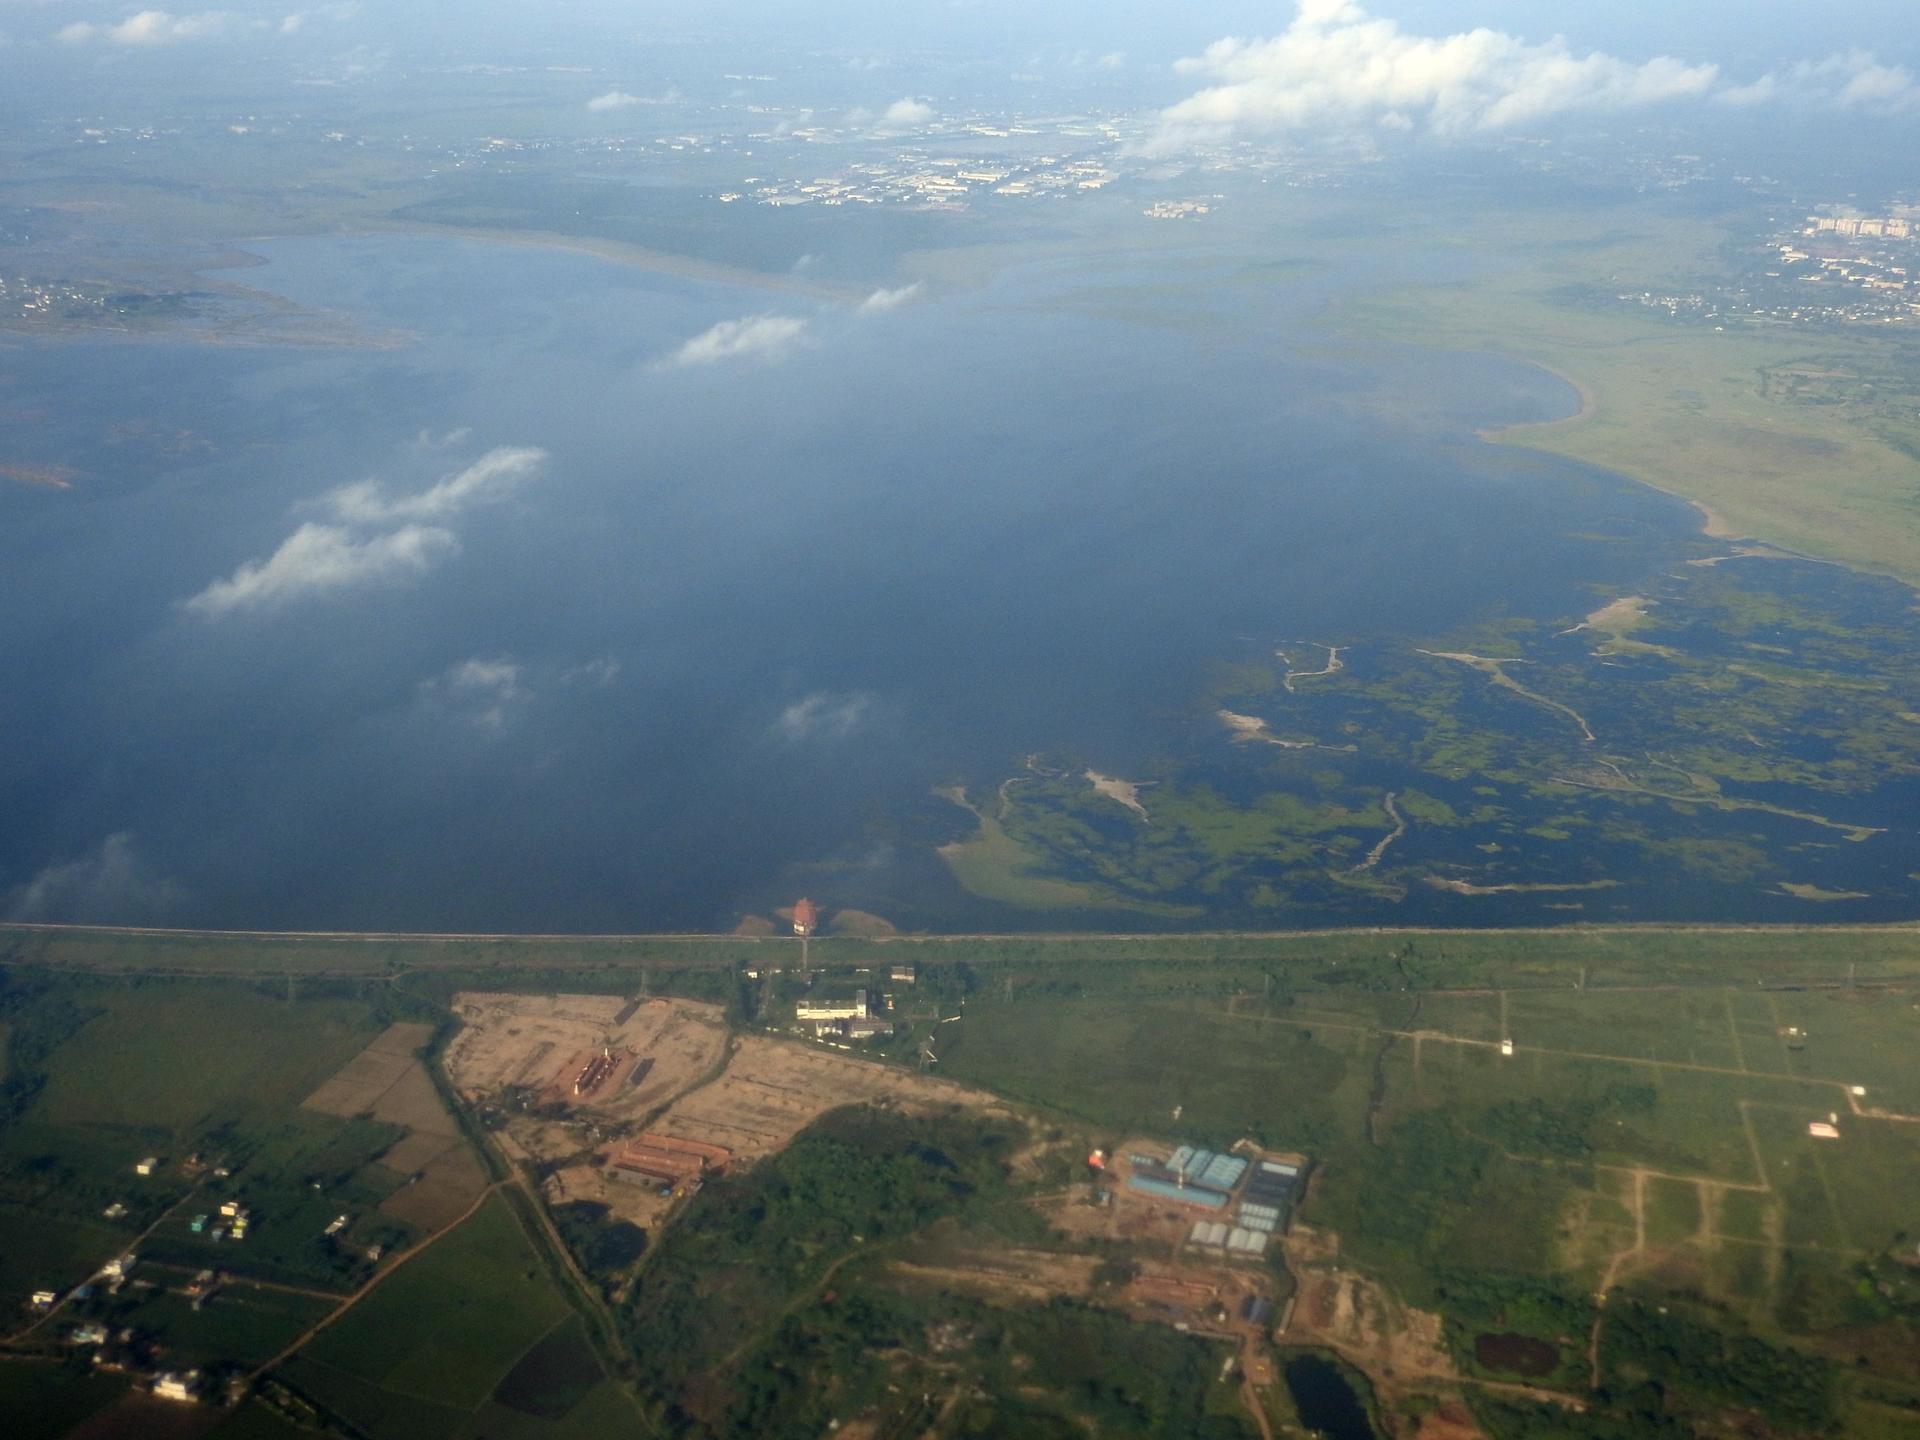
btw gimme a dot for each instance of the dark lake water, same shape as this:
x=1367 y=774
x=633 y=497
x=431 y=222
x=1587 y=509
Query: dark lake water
x=1325 y=1401
x=719 y=649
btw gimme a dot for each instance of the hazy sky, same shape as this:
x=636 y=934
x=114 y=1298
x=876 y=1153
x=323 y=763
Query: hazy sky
x=1760 y=31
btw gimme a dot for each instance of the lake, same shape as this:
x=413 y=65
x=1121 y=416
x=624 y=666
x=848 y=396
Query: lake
x=719 y=643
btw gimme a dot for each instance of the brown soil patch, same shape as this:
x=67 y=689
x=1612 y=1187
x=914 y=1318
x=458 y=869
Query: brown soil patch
x=533 y=1046
x=444 y=1191
x=541 y=1042
x=1449 y=1422
x=387 y=1082
x=757 y=927
x=356 y=1088
x=1007 y=1276
x=772 y=1089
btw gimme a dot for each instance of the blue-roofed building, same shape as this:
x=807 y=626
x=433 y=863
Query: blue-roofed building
x=1174 y=1190
x=1222 y=1172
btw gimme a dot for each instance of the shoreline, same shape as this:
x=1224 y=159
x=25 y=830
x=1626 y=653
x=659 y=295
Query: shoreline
x=716 y=937
x=1713 y=524
x=1493 y=434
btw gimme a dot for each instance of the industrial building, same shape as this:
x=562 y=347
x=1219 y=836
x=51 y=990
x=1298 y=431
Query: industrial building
x=814 y=1010
x=1235 y=1240
x=595 y=1072
x=658 y=1160
x=1251 y=1197
x=1190 y=1175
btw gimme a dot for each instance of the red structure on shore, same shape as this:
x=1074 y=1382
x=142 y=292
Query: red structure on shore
x=805 y=917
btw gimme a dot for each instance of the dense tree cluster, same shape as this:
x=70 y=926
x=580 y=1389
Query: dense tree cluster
x=1679 y=1352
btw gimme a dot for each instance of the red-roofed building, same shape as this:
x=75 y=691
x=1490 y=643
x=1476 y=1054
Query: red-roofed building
x=805 y=917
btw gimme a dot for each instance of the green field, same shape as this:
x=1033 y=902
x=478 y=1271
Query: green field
x=253 y=1056
x=697 y=965
x=1654 y=1141
x=1703 y=414
x=1648 y=1138
x=44 y=1402
x=102 y=1084
x=439 y=1349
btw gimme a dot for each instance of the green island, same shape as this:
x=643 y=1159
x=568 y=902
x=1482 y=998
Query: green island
x=1590 y=1181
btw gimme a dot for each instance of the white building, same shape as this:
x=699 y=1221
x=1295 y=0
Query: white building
x=810 y=1010
x=174 y=1385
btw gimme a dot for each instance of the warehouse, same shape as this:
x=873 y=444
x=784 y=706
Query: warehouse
x=1168 y=1187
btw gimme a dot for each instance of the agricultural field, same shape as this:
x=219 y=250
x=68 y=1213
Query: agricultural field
x=432 y=1165
x=472 y=1338
x=1485 y=1239
x=98 y=1085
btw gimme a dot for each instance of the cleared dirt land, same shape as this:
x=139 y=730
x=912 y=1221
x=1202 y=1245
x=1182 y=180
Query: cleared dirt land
x=680 y=1101
x=772 y=1089
x=541 y=1043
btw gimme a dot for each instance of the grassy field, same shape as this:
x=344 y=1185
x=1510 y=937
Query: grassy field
x=242 y=1323
x=469 y=1337
x=110 y=1073
x=1604 y=954
x=253 y=1056
x=1654 y=1141
x=1700 y=413
x=44 y=1402
x=1648 y=1137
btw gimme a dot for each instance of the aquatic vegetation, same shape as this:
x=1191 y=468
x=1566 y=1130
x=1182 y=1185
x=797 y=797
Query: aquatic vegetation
x=1695 y=748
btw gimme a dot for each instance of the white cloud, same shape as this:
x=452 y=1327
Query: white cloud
x=317 y=559
x=765 y=337
x=881 y=300
x=499 y=678
x=599 y=672
x=905 y=114
x=487 y=691
x=112 y=885
x=821 y=716
x=427 y=440
x=1857 y=80
x=147 y=27
x=494 y=475
x=613 y=100
x=1338 y=66
x=292 y=23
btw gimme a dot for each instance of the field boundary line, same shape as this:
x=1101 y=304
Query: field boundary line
x=400 y=1262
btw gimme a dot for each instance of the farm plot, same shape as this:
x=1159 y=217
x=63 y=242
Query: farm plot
x=436 y=1171
x=473 y=1326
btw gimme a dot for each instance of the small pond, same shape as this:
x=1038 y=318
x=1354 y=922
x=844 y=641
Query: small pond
x=1517 y=1354
x=1326 y=1400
